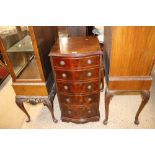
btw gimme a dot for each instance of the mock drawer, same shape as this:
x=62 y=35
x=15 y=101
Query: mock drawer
x=78 y=87
x=80 y=112
x=76 y=63
x=85 y=74
x=79 y=99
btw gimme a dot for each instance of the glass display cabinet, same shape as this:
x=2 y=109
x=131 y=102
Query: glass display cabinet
x=25 y=50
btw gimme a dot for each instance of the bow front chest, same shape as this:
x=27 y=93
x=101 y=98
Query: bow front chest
x=76 y=64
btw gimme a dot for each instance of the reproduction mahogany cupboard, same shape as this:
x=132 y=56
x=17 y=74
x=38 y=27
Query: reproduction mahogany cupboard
x=129 y=56
x=26 y=50
x=76 y=63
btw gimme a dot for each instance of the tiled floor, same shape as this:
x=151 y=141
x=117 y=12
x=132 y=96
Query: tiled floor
x=122 y=112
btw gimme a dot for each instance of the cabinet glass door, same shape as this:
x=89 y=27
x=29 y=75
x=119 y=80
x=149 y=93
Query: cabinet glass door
x=18 y=45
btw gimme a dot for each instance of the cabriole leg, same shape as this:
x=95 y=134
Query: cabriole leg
x=145 y=97
x=108 y=97
x=19 y=102
x=49 y=105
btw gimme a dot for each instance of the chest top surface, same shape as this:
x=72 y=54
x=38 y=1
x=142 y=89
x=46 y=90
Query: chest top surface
x=75 y=46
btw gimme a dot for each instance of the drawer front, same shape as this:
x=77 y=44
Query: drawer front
x=80 y=112
x=79 y=99
x=82 y=62
x=78 y=87
x=85 y=74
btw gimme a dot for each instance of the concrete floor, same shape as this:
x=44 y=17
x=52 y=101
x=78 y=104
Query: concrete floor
x=122 y=112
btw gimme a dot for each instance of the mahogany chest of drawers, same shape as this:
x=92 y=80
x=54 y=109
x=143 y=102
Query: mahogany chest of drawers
x=76 y=64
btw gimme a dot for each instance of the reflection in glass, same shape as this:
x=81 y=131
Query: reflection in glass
x=18 y=45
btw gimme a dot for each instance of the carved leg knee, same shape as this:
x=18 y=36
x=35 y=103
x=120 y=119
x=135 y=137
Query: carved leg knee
x=108 y=97
x=19 y=102
x=49 y=105
x=145 y=97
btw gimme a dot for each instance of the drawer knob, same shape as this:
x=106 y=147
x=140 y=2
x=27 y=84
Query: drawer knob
x=62 y=63
x=66 y=87
x=89 y=99
x=69 y=112
x=89 y=61
x=89 y=74
x=89 y=87
x=64 y=75
x=89 y=111
x=67 y=100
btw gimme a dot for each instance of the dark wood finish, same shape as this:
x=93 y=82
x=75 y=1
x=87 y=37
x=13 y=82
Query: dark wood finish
x=72 y=63
x=45 y=38
x=85 y=74
x=78 y=87
x=79 y=99
x=129 y=52
x=83 y=46
x=76 y=65
x=76 y=31
x=35 y=82
x=80 y=111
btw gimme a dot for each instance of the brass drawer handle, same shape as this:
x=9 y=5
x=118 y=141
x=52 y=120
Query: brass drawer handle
x=89 y=111
x=66 y=87
x=64 y=75
x=62 y=63
x=89 y=99
x=89 y=61
x=67 y=100
x=89 y=87
x=89 y=74
x=69 y=112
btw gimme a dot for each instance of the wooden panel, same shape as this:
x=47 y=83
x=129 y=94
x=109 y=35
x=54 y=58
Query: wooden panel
x=79 y=99
x=132 y=51
x=77 y=87
x=76 y=63
x=79 y=75
x=30 y=89
x=129 y=83
x=76 y=46
x=45 y=38
x=80 y=112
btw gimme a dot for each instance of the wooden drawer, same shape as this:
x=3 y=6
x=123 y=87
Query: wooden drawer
x=80 y=112
x=85 y=74
x=78 y=87
x=81 y=62
x=79 y=99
